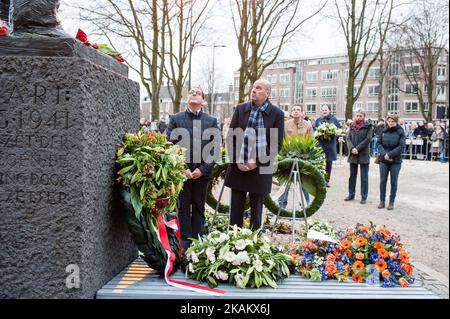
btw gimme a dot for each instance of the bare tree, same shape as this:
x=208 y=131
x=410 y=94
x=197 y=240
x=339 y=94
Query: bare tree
x=139 y=26
x=364 y=24
x=186 y=19
x=422 y=42
x=262 y=28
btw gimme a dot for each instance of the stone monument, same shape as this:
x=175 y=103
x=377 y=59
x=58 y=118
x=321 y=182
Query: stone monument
x=63 y=108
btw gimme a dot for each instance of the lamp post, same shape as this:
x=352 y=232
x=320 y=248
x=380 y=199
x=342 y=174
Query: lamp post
x=214 y=46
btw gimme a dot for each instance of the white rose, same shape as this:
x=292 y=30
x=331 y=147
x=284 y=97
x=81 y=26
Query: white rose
x=240 y=244
x=223 y=275
x=191 y=268
x=210 y=251
x=243 y=257
x=246 y=232
x=223 y=237
x=249 y=242
x=258 y=265
x=229 y=256
x=212 y=258
x=194 y=258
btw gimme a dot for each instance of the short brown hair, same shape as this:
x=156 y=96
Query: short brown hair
x=299 y=105
x=393 y=117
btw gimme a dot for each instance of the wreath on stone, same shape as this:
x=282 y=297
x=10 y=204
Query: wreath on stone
x=150 y=176
x=311 y=161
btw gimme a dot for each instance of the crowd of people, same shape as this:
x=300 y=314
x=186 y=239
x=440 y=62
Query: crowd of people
x=383 y=143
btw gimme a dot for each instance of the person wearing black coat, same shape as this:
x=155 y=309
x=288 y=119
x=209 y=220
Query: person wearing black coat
x=247 y=171
x=328 y=146
x=390 y=145
x=184 y=128
x=358 y=140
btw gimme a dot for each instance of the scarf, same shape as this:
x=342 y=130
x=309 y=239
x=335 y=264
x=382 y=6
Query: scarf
x=252 y=140
x=358 y=124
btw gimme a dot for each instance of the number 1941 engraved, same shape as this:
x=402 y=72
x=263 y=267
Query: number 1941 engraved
x=35 y=119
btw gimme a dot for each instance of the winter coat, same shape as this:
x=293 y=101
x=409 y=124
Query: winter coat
x=328 y=146
x=422 y=131
x=185 y=120
x=361 y=141
x=253 y=181
x=392 y=142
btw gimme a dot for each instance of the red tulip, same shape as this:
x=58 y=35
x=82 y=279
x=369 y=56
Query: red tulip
x=4 y=31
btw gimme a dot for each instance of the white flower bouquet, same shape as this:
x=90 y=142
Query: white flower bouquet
x=237 y=256
x=326 y=131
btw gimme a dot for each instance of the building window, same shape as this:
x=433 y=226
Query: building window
x=312 y=76
x=357 y=105
x=311 y=108
x=441 y=71
x=355 y=89
x=393 y=107
x=332 y=106
x=441 y=90
x=411 y=88
x=374 y=73
x=272 y=78
x=284 y=107
x=330 y=75
x=394 y=70
x=285 y=78
x=411 y=107
x=413 y=69
x=311 y=92
x=273 y=93
x=373 y=90
x=328 y=92
x=372 y=107
x=426 y=107
x=284 y=93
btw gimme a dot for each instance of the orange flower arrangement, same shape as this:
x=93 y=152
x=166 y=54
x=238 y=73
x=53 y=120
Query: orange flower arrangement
x=404 y=257
x=359 y=265
x=403 y=282
x=357 y=277
x=348 y=252
x=331 y=257
x=359 y=256
x=346 y=244
x=385 y=273
x=383 y=253
x=378 y=245
x=360 y=241
x=381 y=265
x=331 y=268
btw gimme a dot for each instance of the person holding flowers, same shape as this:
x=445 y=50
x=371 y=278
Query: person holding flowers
x=328 y=144
x=358 y=141
x=191 y=205
x=390 y=144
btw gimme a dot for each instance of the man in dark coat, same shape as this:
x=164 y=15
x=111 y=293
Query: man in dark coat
x=190 y=126
x=328 y=146
x=358 y=140
x=252 y=153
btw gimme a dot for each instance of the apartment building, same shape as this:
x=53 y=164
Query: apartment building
x=315 y=81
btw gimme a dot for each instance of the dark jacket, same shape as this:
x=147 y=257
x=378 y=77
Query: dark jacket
x=186 y=120
x=253 y=181
x=392 y=142
x=422 y=131
x=328 y=146
x=361 y=141
x=378 y=130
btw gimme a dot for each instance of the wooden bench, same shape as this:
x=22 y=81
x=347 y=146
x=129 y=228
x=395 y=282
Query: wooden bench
x=138 y=281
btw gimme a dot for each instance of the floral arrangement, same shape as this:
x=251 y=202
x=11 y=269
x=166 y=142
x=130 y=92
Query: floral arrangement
x=369 y=247
x=104 y=48
x=327 y=131
x=151 y=172
x=237 y=256
x=220 y=224
x=321 y=227
x=318 y=259
x=4 y=31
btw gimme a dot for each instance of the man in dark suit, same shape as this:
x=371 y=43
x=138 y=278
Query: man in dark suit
x=187 y=129
x=254 y=139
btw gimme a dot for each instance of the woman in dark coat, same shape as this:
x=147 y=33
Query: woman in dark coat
x=358 y=141
x=390 y=144
x=328 y=146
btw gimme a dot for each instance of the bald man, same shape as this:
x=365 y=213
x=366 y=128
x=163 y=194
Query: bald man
x=253 y=152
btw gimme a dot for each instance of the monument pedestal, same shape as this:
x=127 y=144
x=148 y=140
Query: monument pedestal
x=62 y=233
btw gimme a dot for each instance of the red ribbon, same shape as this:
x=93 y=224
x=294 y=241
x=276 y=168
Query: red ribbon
x=164 y=239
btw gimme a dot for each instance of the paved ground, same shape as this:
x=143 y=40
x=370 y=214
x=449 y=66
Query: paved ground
x=421 y=214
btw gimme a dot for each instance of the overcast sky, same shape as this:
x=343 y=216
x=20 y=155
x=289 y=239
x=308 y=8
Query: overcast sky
x=318 y=36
